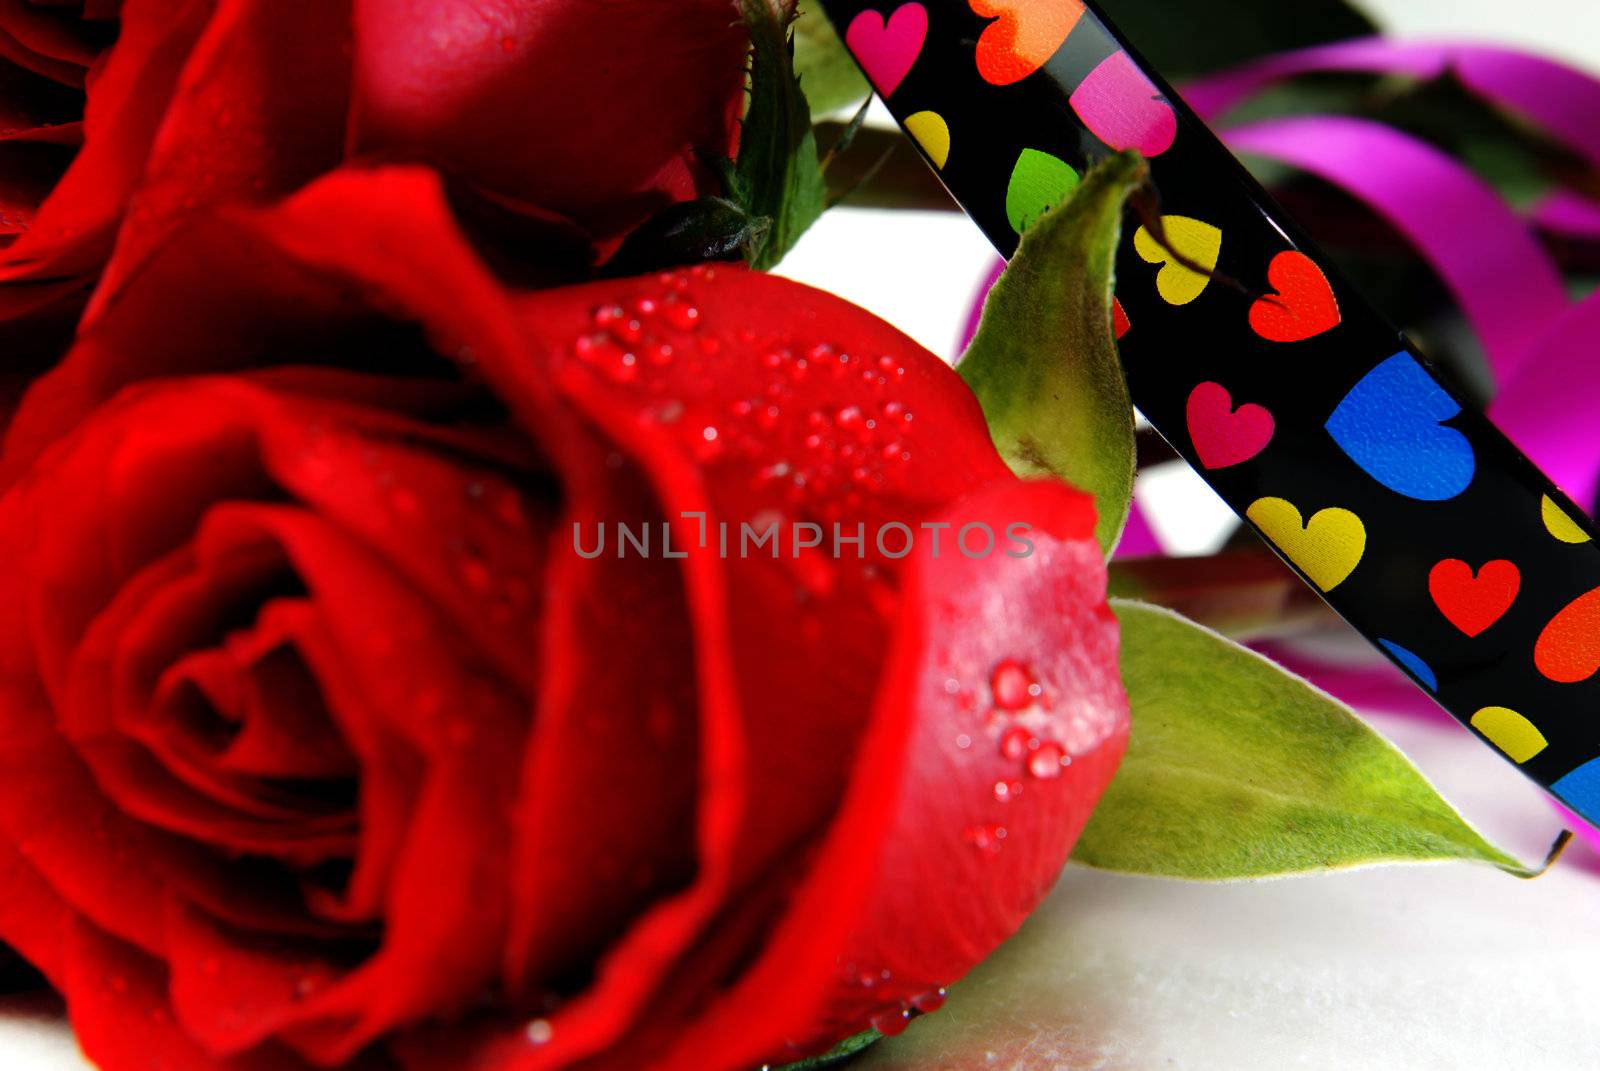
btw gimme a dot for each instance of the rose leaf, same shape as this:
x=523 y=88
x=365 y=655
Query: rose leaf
x=1044 y=364
x=778 y=176
x=1238 y=769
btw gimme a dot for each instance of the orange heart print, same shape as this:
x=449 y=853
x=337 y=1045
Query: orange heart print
x=1026 y=35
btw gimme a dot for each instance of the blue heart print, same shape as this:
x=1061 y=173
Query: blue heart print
x=1417 y=667
x=1391 y=424
x=1580 y=789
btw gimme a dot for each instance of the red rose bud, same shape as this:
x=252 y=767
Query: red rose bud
x=327 y=737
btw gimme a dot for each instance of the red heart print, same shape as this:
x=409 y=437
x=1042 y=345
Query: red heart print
x=887 y=48
x=1026 y=35
x=1303 y=304
x=1222 y=435
x=1473 y=603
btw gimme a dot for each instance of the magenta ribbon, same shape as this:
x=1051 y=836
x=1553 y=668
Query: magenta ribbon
x=1568 y=215
x=1560 y=99
x=1551 y=407
x=1485 y=254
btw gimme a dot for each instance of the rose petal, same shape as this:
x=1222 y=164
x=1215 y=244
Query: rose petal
x=75 y=226
x=891 y=911
x=617 y=726
x=33 y=917
x=260 y=109
x=121 y=1016
x=439 y=81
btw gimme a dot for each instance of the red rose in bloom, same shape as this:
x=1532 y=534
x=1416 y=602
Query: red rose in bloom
x=201 y=102
x=326 y=738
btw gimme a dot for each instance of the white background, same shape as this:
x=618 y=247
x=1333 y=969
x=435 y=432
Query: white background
x=1450 y=967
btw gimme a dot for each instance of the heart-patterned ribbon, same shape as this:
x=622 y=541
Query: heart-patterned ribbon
x=1308 y=413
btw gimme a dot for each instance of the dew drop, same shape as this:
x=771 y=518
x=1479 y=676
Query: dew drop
x=681 y=314
x=539 y=1031
x=1012 y=685
x=988 y=839
x=1016 y=743
x=891 y=1023
x=931 y=1001
x=1046 y=762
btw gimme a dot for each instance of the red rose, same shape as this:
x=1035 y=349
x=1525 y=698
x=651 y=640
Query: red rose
x=203 y=102
x=324 y=738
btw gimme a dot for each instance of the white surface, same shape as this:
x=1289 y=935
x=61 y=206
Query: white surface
x=1569 y=29
x=1408 y=968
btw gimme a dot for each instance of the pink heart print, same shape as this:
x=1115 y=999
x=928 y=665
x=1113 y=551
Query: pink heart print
x=887 y=49
x=1123 y=108
x=1222 y=435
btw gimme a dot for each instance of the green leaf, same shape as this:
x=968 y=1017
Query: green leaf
x=1186 y=42
x=847 y=1049
x=1238 y=769
x=1044 y=364
x=778 y=177
x=828 y=74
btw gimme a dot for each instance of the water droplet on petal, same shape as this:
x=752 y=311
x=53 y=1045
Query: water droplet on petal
x=891 y=1023
x=1011 y=685
x=986 y=838
x=1046 y=762
x=539 y=1031
x=681 y=314
x=931 y=1001
x=1016 y=743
